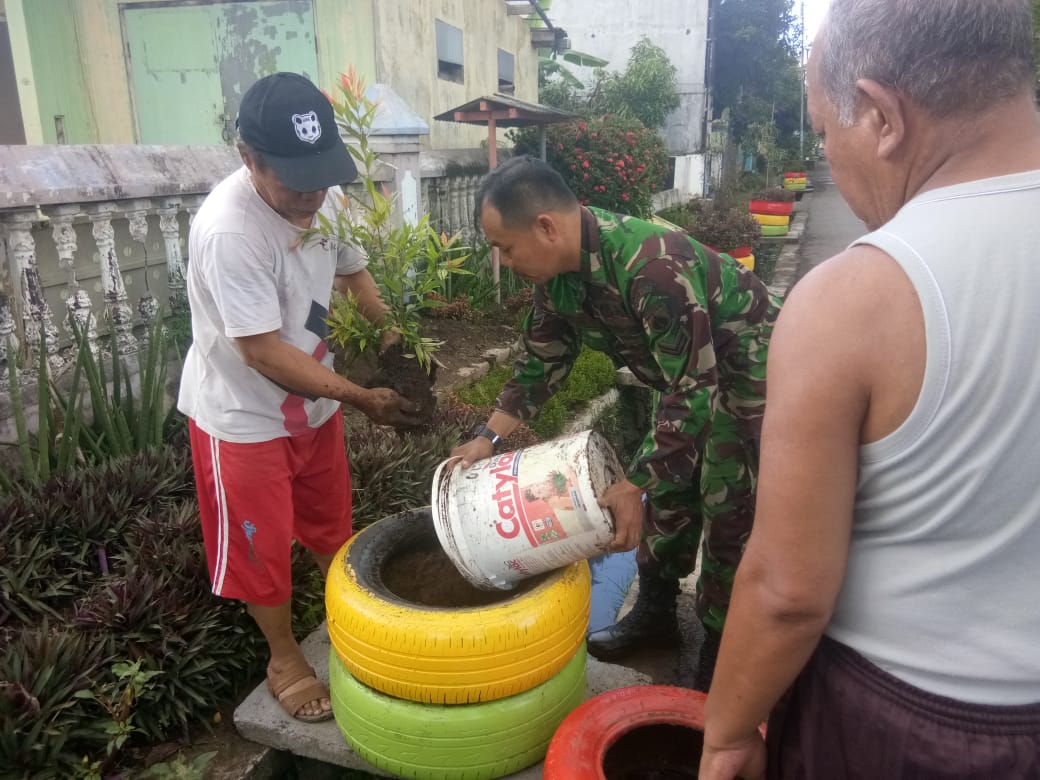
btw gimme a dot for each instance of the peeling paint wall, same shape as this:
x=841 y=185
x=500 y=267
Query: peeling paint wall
x=191 y=93
x=84 y=65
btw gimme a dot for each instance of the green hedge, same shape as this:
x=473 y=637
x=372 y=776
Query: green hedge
x=593 y=374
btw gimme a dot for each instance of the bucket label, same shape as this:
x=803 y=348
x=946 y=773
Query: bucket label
x=522 y=513
x=546 y=506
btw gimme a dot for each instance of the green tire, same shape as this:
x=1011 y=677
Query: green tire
x=774 y=230
x=454 y=741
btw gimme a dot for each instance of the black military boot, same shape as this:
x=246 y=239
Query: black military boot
x=650 y=623
x=706 y=663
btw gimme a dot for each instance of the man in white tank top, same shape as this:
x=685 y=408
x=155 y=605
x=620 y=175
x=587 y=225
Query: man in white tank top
x=886 y=613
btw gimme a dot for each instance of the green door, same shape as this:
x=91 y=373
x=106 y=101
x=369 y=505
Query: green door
x=190 y=65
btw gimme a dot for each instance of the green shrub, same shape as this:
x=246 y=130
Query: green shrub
x=593 y=374
x=612 y=162
x=776 y=194
x=647 y=89
x=390 y=474
x=102 y=565
x=725 y=228
x=121 y=420
x=683 y=214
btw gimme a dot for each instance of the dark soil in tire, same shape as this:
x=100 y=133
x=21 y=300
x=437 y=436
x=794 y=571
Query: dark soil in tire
x=426 y=576
x=662 y=752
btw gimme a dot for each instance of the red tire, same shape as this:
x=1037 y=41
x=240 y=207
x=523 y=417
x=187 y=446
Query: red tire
x=777 y=208
x=794 y=174
x=617 y=730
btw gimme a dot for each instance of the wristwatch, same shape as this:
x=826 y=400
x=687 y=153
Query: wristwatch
x=487 y=433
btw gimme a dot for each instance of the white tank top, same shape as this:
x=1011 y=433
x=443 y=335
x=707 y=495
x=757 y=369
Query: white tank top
x=943 y=581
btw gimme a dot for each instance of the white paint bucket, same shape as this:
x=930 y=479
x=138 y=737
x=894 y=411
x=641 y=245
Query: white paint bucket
x=525 y=512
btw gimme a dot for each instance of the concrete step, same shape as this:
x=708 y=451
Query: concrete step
x=259 y=718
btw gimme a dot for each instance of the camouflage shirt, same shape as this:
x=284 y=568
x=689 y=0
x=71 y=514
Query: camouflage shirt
x=686 y=321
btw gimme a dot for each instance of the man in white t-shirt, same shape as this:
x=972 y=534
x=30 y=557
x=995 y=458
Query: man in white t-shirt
x=258 y=387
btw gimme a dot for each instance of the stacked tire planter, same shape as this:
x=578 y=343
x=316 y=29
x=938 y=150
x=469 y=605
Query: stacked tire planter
x=795 y=180
x=742 y=254
x=446 y=692
x=774 y=216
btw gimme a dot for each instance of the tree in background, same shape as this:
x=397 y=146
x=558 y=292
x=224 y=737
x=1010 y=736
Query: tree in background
x=756 y=72
x=646 y=90
x=611 y=157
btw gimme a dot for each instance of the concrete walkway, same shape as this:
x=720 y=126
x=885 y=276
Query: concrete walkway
x=832 y=225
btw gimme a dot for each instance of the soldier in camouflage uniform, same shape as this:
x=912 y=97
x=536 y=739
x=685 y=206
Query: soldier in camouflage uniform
x=691 y=324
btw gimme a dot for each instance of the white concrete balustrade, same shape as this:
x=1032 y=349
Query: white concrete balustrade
x=98 y=234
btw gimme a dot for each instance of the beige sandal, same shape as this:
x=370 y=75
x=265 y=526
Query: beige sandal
x=296 y=687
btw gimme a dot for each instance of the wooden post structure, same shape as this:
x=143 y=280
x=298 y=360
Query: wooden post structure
x=496 y=259
x=504 y=111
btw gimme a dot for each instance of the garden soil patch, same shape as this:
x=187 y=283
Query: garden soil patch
x=406 y=377
x=466 y=341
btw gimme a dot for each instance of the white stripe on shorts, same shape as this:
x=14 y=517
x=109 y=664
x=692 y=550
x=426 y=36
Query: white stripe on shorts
x=220 y=567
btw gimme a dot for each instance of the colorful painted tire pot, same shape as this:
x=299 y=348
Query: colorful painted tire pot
x=404 y=621
x=638 y=733
x=775 y=207
x=454 y=742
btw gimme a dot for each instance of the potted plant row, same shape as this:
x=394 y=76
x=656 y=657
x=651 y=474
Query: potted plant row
x=729 y=230
x=795 y=181
x=772 y=208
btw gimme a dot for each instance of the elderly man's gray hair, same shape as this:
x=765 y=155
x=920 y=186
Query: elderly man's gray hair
x=950 y=57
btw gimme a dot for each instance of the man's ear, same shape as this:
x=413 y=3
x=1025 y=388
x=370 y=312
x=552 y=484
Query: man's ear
x=546 y=225
x=885 y=114
x=247 y=158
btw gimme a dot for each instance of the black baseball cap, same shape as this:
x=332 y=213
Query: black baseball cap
x=292 y=123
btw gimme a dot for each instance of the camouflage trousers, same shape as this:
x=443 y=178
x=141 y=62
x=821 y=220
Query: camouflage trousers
x=715 y=512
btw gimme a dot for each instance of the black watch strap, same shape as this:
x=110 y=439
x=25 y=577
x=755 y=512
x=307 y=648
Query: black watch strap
x=487 y=433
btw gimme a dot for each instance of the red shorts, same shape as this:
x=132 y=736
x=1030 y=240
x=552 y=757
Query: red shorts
x=254 y=499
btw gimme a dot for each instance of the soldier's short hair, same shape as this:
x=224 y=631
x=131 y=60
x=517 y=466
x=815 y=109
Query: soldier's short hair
x=521 y=188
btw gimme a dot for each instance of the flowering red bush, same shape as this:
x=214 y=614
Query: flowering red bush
x=610 y=162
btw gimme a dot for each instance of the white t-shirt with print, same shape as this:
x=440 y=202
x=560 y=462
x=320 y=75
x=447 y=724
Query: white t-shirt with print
x=249 y=274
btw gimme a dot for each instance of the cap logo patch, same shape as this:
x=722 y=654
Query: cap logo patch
x=307 y=126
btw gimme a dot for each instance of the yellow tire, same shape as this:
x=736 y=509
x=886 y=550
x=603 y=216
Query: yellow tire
x=771 y=219
x=794 y=181
x=747 y=261
x=448 y=655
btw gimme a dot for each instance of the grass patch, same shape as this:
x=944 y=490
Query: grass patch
x=592 y=375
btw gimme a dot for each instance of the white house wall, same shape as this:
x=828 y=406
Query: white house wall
x=609 y=28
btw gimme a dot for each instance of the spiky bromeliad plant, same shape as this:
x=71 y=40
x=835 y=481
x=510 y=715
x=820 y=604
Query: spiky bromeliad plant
x=410 y=263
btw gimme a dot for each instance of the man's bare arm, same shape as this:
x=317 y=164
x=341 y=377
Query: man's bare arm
x=822 y=381
x=297 y=371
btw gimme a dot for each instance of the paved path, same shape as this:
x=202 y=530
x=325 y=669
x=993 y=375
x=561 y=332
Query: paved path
x=831 y=226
